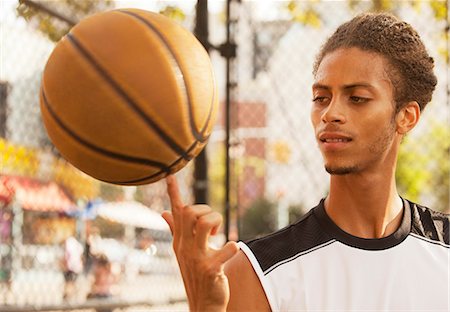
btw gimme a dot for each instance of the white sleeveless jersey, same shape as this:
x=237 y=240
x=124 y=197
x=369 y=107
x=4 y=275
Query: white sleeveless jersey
x=313 y=265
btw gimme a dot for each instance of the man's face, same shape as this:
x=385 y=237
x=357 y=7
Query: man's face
x=353 y=110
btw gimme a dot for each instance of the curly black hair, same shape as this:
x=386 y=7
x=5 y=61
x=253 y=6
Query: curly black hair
x=410 y=67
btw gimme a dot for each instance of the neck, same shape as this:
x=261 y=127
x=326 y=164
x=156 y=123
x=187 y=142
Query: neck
x=365 y=205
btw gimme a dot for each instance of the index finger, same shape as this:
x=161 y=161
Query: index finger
x=173 y=192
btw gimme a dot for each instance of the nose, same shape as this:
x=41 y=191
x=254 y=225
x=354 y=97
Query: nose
x=334 y=112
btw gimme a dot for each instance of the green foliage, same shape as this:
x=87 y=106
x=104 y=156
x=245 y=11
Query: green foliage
x=75 y=10
x=216 y=176
x=303 y=12
x=296 y=212
x=374 y=5
x=439 y=8
x=259 y=219
x=53 y=27
x=424 y=166
x=173 y=12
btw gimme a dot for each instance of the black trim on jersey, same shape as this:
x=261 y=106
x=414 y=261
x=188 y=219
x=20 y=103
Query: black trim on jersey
x=316 y=230
x=430 y=224
x=365 y=243
x=286 y=243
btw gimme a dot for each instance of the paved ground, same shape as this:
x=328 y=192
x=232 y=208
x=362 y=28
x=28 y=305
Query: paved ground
x=46 y=288
x=179 y=307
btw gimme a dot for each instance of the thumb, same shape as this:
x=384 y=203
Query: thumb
x=168 y=217
x=227 y=251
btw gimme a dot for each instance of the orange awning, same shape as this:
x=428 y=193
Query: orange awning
x=36 y=195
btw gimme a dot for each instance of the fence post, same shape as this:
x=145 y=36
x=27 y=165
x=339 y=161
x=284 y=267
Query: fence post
x=200 y=187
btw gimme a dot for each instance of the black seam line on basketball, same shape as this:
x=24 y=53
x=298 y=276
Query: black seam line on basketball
x=131 y=103
x=198 y=135
x=97 y=149
x=168 y=171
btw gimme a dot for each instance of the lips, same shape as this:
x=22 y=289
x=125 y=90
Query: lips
x=331 y=137
x=333 y=141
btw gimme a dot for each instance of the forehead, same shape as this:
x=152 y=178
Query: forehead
x=349 y=65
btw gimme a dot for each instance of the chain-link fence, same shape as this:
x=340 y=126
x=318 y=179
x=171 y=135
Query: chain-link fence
x=276 y=170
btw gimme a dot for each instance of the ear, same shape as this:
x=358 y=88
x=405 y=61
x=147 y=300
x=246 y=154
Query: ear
x=407 y=117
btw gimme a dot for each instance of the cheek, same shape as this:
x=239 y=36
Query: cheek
x=375 y=122
x=315 y=116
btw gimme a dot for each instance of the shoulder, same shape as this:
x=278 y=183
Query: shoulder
x=296 y=239
x=430 y=224
x=246 y=291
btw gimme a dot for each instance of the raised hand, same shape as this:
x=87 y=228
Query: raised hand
x=201 y=266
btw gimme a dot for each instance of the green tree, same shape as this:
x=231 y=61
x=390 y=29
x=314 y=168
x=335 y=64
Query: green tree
x=296 y=212
x=37 y=13
x=423 y=168
x=216 y=176
x=55 y=18
x=173 y=12
x=259 y=219
x=304 y=12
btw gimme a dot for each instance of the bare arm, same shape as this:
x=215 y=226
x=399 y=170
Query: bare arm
x=246 y=292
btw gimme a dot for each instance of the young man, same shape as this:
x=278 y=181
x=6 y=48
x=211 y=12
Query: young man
x=363 y=247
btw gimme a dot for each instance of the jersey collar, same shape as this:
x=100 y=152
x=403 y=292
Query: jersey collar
x=365 y=243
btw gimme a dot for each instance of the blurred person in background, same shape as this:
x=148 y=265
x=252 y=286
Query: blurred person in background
x=93 y=239
x=146 y=243
x=105 y=278
x=5 y=251
x=72 y=265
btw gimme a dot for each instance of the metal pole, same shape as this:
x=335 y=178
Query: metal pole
x=201 y=161
x=227 y=129
x=4 y=88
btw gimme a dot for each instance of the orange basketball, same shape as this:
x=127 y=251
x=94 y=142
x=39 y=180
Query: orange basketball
x=128 y=96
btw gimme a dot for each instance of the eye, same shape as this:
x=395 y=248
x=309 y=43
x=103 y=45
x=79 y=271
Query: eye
x=358 y=99
x=319 y=99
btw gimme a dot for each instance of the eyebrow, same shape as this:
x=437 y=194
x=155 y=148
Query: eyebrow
x=318 y=85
